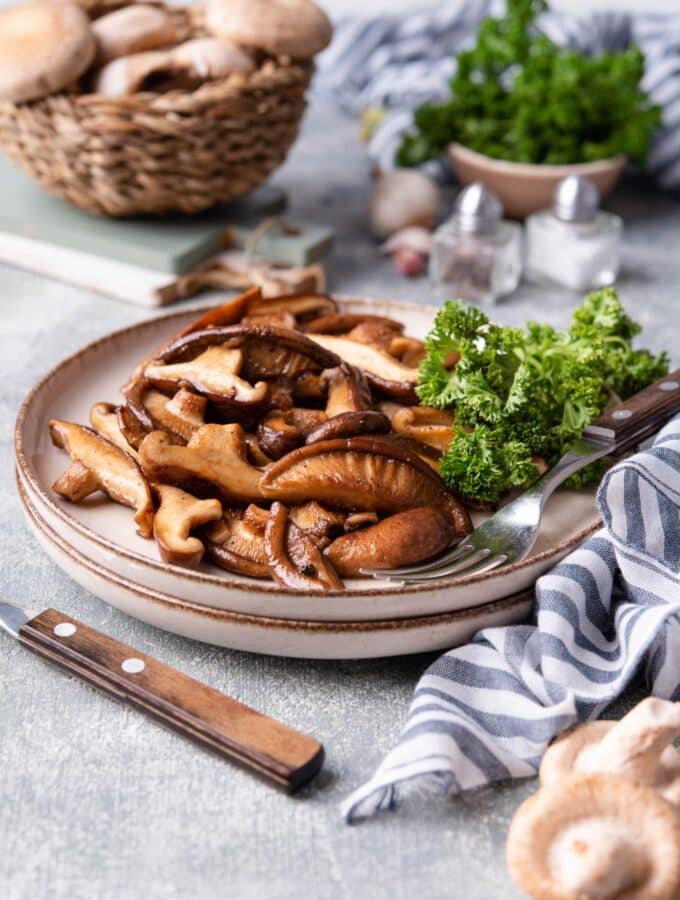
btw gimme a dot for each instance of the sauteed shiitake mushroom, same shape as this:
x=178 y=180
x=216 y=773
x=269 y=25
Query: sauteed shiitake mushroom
x=295 y=453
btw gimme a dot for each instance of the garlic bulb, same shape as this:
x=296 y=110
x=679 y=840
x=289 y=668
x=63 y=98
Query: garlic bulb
x=401 y=198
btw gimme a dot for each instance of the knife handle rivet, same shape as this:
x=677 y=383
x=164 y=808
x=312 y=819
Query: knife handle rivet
x=133 y=666
x=668 y=385
x=622 y=414
x=65 y=629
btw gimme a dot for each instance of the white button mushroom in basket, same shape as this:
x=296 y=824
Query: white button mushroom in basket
x=297 y=28
x=44 y=47
x=638 y=747
x=596 y=837
x=133 y=29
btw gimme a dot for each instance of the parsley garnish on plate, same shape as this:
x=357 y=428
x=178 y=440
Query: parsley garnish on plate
x=517 y=96
x=522 y=394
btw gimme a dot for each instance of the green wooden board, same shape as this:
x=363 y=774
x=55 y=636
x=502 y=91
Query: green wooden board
x=173 y=244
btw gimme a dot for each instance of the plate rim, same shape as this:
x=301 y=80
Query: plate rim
x=195 y=575
x=318 y=626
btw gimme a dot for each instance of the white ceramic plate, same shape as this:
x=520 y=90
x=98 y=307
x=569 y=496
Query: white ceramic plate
x=103 y=533
x=278 y=637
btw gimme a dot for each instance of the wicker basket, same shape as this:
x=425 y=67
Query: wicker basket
x=181 y=151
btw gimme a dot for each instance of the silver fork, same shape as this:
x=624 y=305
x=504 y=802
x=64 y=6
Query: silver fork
x=509 y=534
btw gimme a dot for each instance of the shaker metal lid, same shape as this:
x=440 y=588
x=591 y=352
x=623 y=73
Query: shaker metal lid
x=576 y=199
x=478 y=209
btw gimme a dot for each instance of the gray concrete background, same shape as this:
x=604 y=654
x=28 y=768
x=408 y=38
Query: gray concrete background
x=96 y=801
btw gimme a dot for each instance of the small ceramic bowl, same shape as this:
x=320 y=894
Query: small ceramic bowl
x=524 y=188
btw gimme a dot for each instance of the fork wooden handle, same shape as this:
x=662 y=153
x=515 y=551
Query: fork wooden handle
x=270 y=749
x=639 y=417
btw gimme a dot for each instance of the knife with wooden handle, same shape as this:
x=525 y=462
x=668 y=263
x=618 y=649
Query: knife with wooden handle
x=268 y=748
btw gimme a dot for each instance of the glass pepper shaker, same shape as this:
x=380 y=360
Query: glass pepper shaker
x=574 y=243
x=476 y=254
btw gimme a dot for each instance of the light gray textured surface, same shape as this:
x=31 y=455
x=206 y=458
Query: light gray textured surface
x=98 y=802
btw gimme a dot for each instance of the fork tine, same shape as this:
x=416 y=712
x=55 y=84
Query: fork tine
x=450 y=568
x=462 y=549
x=466 y=567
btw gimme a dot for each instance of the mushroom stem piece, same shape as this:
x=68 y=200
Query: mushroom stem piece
x=294 y=559
x=117 y=474
x=638 y=747
x=177 y=516
x=596 y=837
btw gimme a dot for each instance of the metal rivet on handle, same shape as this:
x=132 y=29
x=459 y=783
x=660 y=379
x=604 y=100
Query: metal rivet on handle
x=65 y=629
x=622 y=414
x=133 y=666
x=669 y=386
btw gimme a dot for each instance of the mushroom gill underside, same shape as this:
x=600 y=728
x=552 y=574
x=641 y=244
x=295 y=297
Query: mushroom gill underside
x=274 y=452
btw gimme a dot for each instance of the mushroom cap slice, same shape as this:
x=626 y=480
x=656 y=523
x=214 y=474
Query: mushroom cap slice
x=348 y=391
x=282 y=430
x=44 y=46
x=385 y=373
x=638 y=747
x=300 y=305
x=371 y=473
x=350 y=424
x=294 y=559
x=297 y=28
x=182 y=414
x=317 y=522
x=595 y=837
x=105 y=420
x=177 y=516
x=341 y=323
x=117 y=473
x=269 y=352
x=215 y=455
x=400 y=540
x=236 y=542
x=132 y=29
x=213 y=372
x=430 y=426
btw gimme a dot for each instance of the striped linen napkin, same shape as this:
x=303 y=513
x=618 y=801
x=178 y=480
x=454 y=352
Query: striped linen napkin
x=486 y=711
x=401 y=61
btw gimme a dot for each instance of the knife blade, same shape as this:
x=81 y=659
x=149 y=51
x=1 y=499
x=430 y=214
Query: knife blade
x=270 y=749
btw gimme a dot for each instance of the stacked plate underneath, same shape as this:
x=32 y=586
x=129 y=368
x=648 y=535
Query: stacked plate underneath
x=95 y=542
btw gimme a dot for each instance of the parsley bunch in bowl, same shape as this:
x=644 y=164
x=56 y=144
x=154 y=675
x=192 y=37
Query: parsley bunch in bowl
x=517 y=96
x=522 y=396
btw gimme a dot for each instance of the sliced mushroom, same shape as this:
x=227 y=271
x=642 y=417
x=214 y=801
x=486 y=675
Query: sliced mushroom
x=425 y=424
x=400 y=540
x=309 y=389
x=282 y=430
x=317 y=522
x=183 y=414
x=407 y=350
x=375 y=333
x=256 y=455
x=117 y=474
x=281 y=318
x=385 y=373
x=294 y=559
x=354 y=521
x=348 y=391
x=341 y=323
x=361 y=473
x=214 y=371
x=105 y=420
x=269 y=352
x=350 y=424
x=177 y=516
x=228 y=313
x=76 y=483
x=638 y=747
x=44 y=47
x=236 y=542
x=132 y=29
x=598 y=837
x=301 y=305
x=215 y=455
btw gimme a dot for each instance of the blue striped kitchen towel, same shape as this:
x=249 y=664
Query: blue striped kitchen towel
x=486 y=711
x=401 y=61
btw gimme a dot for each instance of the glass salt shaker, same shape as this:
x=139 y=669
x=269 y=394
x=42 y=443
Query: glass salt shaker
x=573 y=244
x=476 y=254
